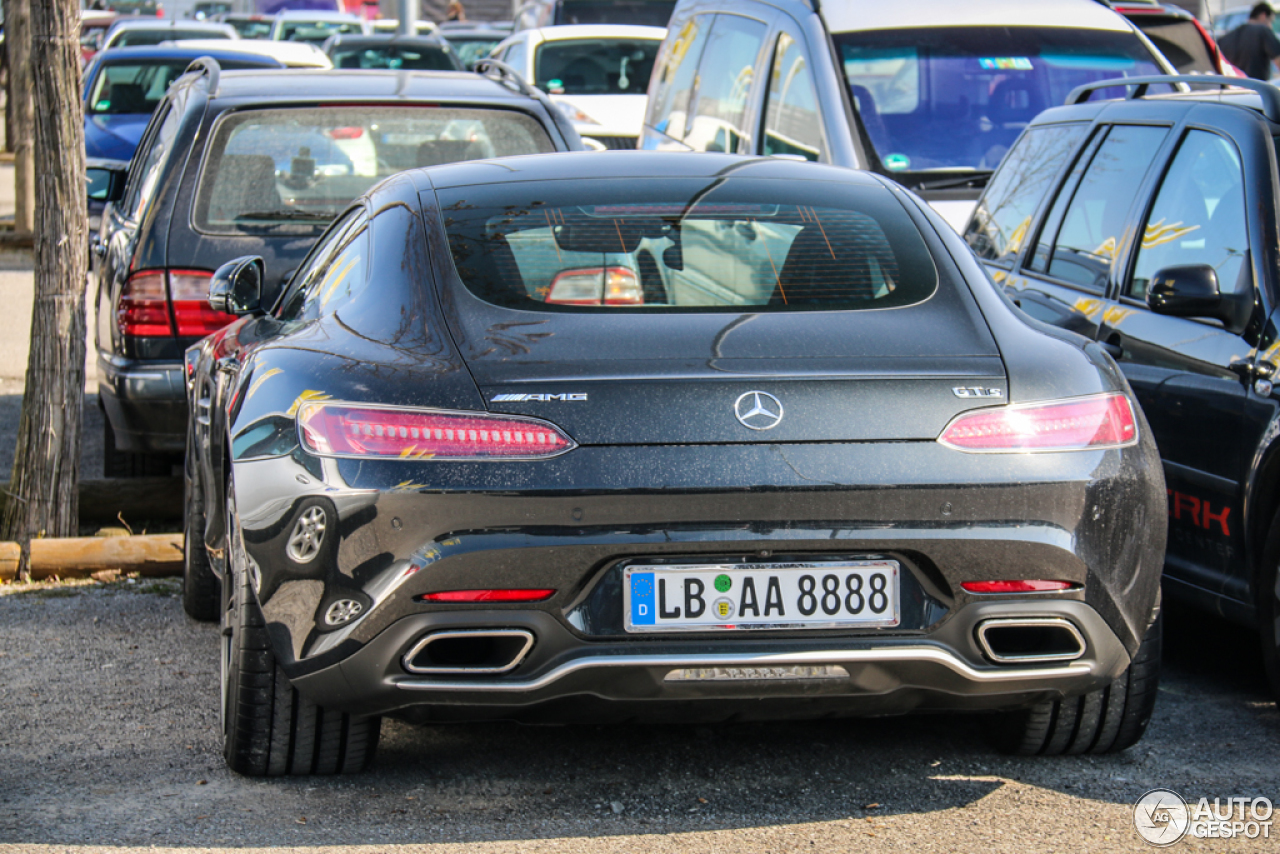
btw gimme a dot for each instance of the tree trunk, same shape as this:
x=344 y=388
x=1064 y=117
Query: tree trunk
x=18 y=34
x=47 y=461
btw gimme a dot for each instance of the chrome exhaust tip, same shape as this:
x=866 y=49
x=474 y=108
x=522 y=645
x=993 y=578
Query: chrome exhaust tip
x=468 y=651
x=1019 y=640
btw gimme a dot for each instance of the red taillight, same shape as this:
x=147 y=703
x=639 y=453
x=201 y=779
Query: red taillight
x=1101 y=421
x=1016 y=586
x=143 y=310
x=504 y=595
x=346 y=133
x=596 y=286
x=192 y=315
x=344 y=430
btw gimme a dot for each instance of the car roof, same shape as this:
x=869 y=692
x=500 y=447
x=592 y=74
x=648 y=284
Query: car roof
x=601 y=165
x=358 y=86
x=167 y=24
x=315 y=15
x=1238 y=98
x=291 y=54
x=876 y=15
x=565 y=32
x=160 y=52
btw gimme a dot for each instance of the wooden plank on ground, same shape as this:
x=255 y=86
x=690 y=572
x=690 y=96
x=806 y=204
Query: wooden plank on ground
x=80 y=557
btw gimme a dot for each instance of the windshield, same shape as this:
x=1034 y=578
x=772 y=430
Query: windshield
x=136 y=87
x=648 y=13
x=596 y=66
x=469 y=50
x=415 y=58
x=1181 y=43
x=957 y=98
x=673 y=245
x=316 y=32
x=251 y=29
x=295 y=169
x=147 y=38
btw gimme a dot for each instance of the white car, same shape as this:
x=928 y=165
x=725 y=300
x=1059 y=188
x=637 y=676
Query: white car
x=292 y=54
x=597 y=73
x=305 y=25
x=392 y=25
x=143 y=32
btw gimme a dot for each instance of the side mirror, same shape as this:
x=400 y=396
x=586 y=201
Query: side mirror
x=1192 y=291
x=104 y=180
x=236 y=287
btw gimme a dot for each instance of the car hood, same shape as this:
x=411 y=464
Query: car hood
x=114 y=136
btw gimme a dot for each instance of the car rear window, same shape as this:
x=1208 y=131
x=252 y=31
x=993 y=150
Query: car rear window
x=596 y=66
x=147 y=38
x=137 y=87
x=398 y=57
x=674 y=245
x=297 y=168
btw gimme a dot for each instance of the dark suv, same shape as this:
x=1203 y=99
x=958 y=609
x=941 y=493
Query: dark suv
x=233 y=164
x=1149 y=224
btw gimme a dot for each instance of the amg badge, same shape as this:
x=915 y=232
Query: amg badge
x=521 y=397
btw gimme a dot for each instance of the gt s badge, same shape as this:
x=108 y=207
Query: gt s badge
x=973 y=391
x=522 y=397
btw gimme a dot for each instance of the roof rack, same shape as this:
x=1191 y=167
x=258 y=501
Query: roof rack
x=507 y=76
x=207 y=65
x=1270 y=94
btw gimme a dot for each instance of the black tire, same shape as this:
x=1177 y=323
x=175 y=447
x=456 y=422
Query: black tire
x=1104 y=721
x=117 y=463
x=1269 y=606
x=269 y=729
x=201 y=590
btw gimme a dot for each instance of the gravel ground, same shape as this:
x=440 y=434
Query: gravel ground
x=109 y=741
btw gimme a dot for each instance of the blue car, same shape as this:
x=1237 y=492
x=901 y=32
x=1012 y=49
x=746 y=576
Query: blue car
x=123 y=85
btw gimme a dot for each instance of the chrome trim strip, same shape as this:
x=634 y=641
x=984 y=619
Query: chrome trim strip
x=932 y=655
x=431 y=638
x=1055 y=622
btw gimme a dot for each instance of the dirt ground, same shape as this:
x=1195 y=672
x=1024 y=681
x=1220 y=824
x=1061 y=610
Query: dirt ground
x=109 y=741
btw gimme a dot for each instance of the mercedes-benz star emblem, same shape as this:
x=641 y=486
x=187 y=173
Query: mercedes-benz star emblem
x=758 y=410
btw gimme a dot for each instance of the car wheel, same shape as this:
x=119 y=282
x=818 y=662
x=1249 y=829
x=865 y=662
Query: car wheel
x=117 y=463
x=201 y=589
x=1104 y=721
x=269 y=729
x=1269 y=606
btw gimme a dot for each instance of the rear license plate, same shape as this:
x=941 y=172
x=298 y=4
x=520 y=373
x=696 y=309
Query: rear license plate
x=799 y=595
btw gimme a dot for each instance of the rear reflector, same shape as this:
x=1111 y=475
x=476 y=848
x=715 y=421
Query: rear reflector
x=192 y=315
x=1101 y=421
x=524 y=595
x=347 y=430
x=596 y=286
x=1015 y=586
x=143 y=309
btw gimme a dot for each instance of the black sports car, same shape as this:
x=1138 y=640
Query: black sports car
x=608 y=436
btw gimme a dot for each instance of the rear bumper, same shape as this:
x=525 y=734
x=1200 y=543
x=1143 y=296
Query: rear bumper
x=564 y=679
x=145 y=401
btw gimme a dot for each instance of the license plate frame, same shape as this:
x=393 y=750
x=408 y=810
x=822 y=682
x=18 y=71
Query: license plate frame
x=789 y=587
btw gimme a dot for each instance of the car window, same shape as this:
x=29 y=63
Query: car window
x=276 y=170
x=687 y=245
x=318 y=272
x=725 y=75
x=792 y=124
x=146 y=171
x=514 y=55
x=470 y=50
x=1181 y=43
x=144 y=38
x=133 y=87
x=935 y=98
x=595 y=66
x=676 y=76
x=1198 y=216
x=397 y=57
x=1000 y=223
x=1094 y=219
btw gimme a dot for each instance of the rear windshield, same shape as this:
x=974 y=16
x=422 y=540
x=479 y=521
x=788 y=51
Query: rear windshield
x=596 y=66
x=686 y=245
x=400 y=57
x=136 y=87
x=956 y=98
x=146 y=38
x=1181 y=43
x=295 y=169
x=470 y=49
x=251 y=29
x=317 y=32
